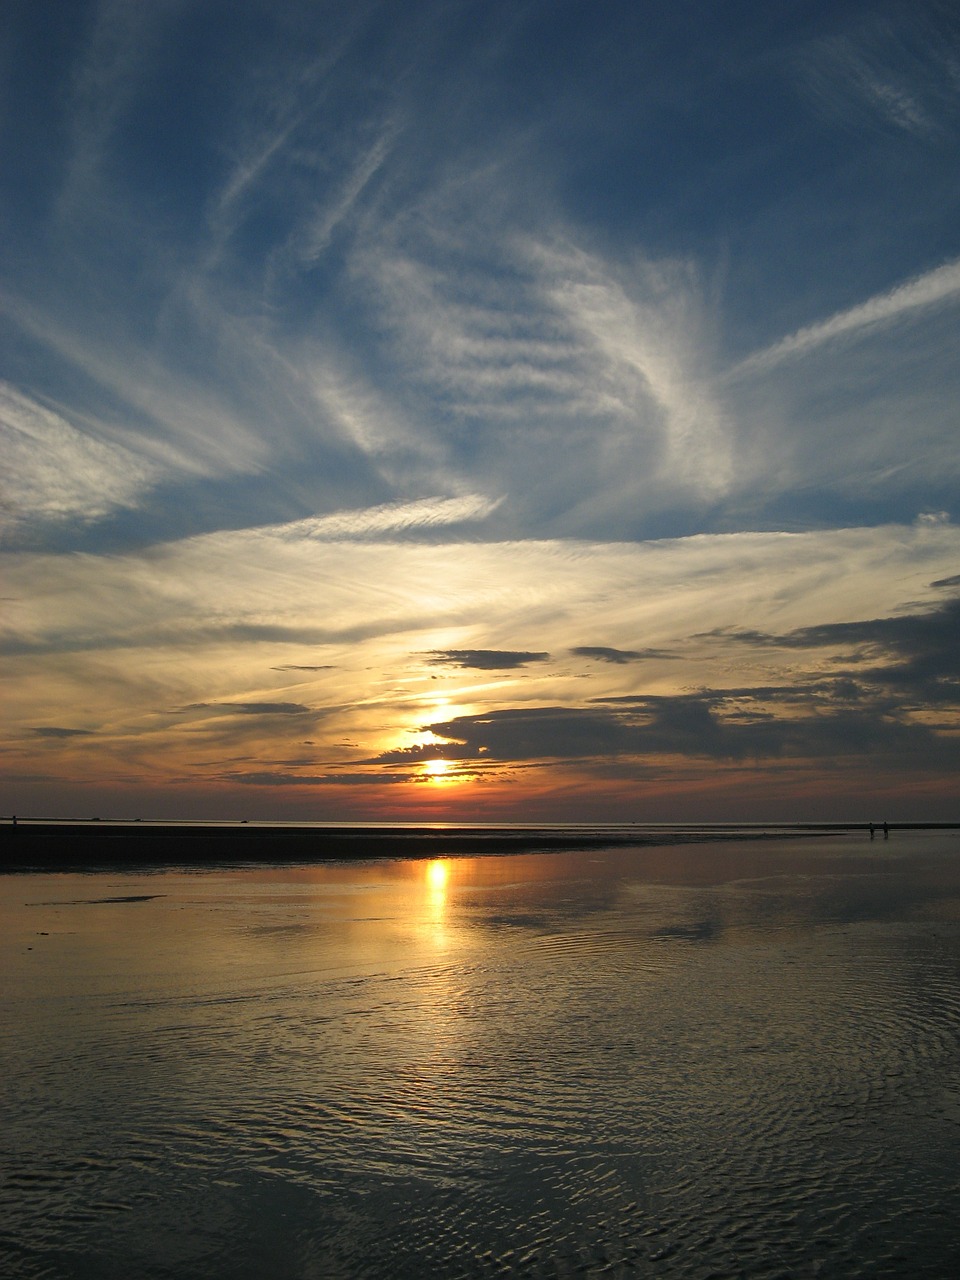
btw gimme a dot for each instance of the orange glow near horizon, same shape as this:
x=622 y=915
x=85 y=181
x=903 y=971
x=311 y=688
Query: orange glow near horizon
x=441 y=772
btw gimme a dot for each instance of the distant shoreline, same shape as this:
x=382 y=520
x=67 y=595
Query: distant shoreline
x=33 y=845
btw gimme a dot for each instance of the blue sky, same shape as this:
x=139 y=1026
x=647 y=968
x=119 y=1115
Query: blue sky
x=475 y=409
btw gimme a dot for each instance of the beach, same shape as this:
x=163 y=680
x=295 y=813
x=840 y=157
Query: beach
x=60 y=845
x=726 y=1057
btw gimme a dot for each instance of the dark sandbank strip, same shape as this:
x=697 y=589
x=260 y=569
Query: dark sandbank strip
x=68 y=846
x=55 y=846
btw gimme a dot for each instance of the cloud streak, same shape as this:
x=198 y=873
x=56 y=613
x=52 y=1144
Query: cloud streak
x=934 y=288
x=58 y=731
x=253 y=708
x=54 y=472
x=391 y=519
x=484 y=659
x=619 y=657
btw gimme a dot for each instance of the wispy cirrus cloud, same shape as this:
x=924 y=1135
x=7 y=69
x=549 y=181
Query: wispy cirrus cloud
x=120 y=46
x=390 y=519
x=171 y=417
x=399 y=444
x=466 y=324
x=530 y=337
x=266 y=587
x=315 y=238
x=54 y=472
x=646 y=329
x=881 y=73
x=933 y=288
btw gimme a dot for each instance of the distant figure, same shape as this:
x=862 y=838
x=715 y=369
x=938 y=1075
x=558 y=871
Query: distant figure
x=886 y=832
x=872 y=832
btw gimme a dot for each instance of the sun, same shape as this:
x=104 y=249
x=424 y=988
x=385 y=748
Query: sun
x=437 y=769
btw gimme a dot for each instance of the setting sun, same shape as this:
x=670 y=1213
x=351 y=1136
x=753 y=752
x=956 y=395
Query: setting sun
x=437 y=769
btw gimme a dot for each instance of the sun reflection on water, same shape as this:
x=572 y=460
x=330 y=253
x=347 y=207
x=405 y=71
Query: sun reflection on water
x=438 y=875
x=436 y=902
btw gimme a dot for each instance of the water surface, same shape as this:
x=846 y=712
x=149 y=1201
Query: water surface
x=734 y=1059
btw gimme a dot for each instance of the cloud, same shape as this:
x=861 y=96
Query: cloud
x=618 y=657
x=909 y=661
x=159 y=633
x=884 y=75
x=484 y=659
x=750 y=701
x=686 y=726
x=269 y=778
x=247 y=592
x=417 y=753
x=390 y=519
x=321 y=230
x=111 y=65
x=267 y=708
x=54 y=472
x=254 y=708
x=923 y=648
x=537 y=733
x=200 y=621
x=283 y=142
x=645 y=330
x=932 y=289
x=399 y=444
x=296 y=666
x=934 y=629
x=536 y=338
x=177 y=419
x=330 y=313
x=56 y=731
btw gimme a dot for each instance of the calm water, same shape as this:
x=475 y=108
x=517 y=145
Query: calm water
x=735 y=1059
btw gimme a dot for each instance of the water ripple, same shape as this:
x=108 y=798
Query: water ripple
x=632 y=1091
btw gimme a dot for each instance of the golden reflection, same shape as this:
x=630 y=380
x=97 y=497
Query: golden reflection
x=438 y=875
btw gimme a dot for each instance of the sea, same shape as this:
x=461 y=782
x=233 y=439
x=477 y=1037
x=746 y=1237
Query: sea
x=732 y=1058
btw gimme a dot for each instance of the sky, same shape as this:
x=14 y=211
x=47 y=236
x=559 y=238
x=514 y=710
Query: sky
x=480 y=410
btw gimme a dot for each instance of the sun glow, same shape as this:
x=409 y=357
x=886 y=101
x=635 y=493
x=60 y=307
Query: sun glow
x=437 y=877
x=437 y=874
x=437 y=769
